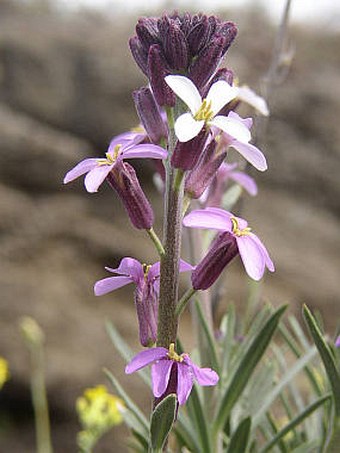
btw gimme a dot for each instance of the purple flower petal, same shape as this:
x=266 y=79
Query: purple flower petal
x=96 y=176
x=337 y=342
x=252 y=256
x=160 y=374
x=184 y=266
x=214 y=218
x=204 y=376
x=245 y=181
x=248 y=122
x=80 y=169
x=268 y=261
x=144 y=358
x=154 y=271
x=144 y=151
x=185 y=382
x=129 y=267
x=252 y=154
x=109 y=284
x=126 y=139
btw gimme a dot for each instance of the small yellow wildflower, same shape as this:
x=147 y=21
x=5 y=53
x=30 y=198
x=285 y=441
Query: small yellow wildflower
x=4 y=373
x=98 y=412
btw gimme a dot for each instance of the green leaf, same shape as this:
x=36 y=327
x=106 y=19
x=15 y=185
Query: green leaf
x=287 y=379
x=246 y=368
x=326 y=356
x=228 y=328
x=162 y=420
x=197 y=417
x=240 y=438
x=209 y=337
x=141 y=423
x=124 y=350
x=295 y=422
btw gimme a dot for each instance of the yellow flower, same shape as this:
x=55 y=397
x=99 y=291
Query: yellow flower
x=4 y=373
x=98 y=409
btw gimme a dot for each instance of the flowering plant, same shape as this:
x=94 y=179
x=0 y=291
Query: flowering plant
x=188 y=122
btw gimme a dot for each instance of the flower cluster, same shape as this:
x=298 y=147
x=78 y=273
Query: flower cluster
x=188 y=123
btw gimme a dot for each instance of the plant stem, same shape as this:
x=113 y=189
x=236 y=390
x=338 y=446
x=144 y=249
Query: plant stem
x=172 y=230
x=184 y=300
x=157 y=242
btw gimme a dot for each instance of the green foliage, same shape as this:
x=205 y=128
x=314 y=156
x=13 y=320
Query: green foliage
x=273 y=394
x=162 y=419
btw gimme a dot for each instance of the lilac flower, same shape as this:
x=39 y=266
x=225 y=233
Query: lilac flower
x=253 y=253
x=122 y=147
x=247 y=95
x=213 y=195
x=337 y=342
x=166 y=362
x=146 y=279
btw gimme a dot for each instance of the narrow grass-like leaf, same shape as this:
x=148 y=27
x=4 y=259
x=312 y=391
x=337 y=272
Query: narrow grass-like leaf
x=162 y=420
x=295 y=422
x=239 y=440
x=246 y=368
x=197 y=416
x=186 y=433
x=326 y=356
x=272 y=424
x=228 y=328
x=141 y=420
x=124 y=350
x=209 y=338
x=288 y=377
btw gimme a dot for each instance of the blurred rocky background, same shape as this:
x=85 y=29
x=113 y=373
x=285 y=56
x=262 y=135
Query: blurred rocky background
x=65 y=89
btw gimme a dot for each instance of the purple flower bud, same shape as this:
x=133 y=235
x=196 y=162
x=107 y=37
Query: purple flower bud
x=222 y=251
x=186 y=154
x=208 y=60
x=223 y=74
x=139 y=53
x=147 y=31
x=174 y=43
x=158 y=69
x=229 y=31
x=201 y=176
x=197 y=36
x=124 y=180
x=149 y=114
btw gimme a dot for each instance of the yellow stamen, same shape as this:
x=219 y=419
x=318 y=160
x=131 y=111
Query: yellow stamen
x=204 y=113
x=138 y=129
x=173 y=355
x=110 y=158
x=236 y=229
x=146 y=268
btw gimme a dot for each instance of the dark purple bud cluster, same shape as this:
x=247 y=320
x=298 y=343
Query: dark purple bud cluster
x=190 y=45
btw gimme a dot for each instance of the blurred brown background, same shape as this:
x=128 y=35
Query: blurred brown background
x=65 y=89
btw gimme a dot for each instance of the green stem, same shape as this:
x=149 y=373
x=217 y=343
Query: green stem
x=184 y=300
x=157 y=242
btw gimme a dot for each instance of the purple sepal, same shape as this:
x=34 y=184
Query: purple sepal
x=124 y=180
x=222 y=250
x=139 y=53
x=149 y=114
x=158 y=69
x=146 y=303
x=201 y=176
x=207 y=61
x=174 y=43
x=187 y=154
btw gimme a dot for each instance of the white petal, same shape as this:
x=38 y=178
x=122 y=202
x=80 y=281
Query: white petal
x=220 y=94
x=185 y=90
x=252 y=154
x=232 y=127
x=186 y=127
x=249 y=96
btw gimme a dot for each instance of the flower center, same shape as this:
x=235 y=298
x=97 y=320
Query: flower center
x=146 y=268
x=204 y=113
x=236 y=230
x=110 y=158
x=173 y=355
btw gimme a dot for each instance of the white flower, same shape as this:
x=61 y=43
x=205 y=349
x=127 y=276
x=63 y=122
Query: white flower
x=204 y=111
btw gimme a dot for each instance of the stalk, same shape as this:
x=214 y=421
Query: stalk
x=172 y=230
